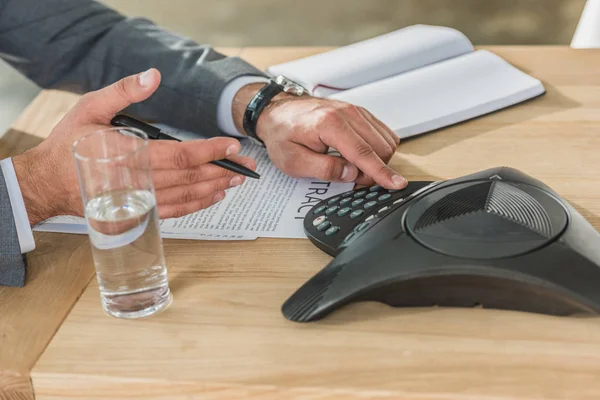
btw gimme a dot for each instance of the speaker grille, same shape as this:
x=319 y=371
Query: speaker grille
x=511 y=203
x=493 y=197
x=465 y=201
x=486 y=219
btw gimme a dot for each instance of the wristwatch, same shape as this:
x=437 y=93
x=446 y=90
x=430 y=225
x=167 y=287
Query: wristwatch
x=262 y=98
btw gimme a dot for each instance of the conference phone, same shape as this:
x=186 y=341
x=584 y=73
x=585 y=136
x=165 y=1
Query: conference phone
x=496 y=238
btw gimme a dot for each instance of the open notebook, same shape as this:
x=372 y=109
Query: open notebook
x=415 y=79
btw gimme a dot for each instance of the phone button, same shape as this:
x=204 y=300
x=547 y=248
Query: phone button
x=319 y=220
x=346 y=201
x=357 y=202
x=331 y=210
x=319 y=210
x=323 y=226
x=356 y=214
x=384 y=197
x=349 y=238
x=332 y=231
x=370 y=205
x=344 y=211
x=360 y=194
x=360 y=227
x=333 y=201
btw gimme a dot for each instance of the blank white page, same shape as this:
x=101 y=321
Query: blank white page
x=442 y=94
x=374 y=59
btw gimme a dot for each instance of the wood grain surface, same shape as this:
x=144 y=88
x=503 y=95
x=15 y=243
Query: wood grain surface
x=57 y=271
x=224 y=336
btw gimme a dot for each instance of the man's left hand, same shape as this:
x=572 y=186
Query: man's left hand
x=299 y=131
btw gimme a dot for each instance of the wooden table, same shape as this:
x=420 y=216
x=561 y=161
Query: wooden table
x=224 y=336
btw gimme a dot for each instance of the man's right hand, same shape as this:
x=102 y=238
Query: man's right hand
x=184 y=180
x=298 y=133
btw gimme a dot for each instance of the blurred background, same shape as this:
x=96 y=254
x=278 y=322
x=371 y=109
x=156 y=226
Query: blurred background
x=339 y=22
x=330 y=22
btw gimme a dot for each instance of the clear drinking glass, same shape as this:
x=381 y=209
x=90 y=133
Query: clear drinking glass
x=113 y=168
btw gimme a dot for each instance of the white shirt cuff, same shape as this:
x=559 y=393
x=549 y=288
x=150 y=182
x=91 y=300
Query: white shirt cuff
x=24 y=232
x=224 y=114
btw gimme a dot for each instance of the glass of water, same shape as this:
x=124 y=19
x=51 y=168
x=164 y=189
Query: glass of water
x=113 y=168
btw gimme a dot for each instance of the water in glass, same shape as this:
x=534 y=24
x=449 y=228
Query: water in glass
x=130 y=266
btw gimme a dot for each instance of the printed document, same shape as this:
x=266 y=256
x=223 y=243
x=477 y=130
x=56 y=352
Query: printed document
x=273 y=206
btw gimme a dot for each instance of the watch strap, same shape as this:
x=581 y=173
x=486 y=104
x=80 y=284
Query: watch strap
x=257 y=104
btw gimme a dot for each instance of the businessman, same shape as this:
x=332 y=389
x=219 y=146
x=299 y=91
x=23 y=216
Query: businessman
x=131 y=65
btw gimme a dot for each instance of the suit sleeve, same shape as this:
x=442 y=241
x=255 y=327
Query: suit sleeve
x=12 y=262
x=82 y=45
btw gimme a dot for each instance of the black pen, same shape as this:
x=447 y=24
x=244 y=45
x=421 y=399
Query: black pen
x=156 y=134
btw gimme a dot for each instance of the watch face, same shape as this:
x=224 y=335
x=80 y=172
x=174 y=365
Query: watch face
x=290 y=86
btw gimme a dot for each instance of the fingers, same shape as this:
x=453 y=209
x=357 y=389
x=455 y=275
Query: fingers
x=357 y=151
x=180 y=210
x=302 y=162
x=179 y=177
x=101 y=105
x=361 y=140
x=185 y=180
x=243 y=160
x=192 y=193
x=363 y=179
x=185 y=155
x=383 y=129
x=373 y=137
x=190 y=196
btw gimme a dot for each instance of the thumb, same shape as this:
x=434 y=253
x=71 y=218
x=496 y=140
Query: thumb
x=101 y=105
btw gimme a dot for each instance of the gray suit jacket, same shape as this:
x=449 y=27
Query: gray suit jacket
x=12 y=263
x=81 y=45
